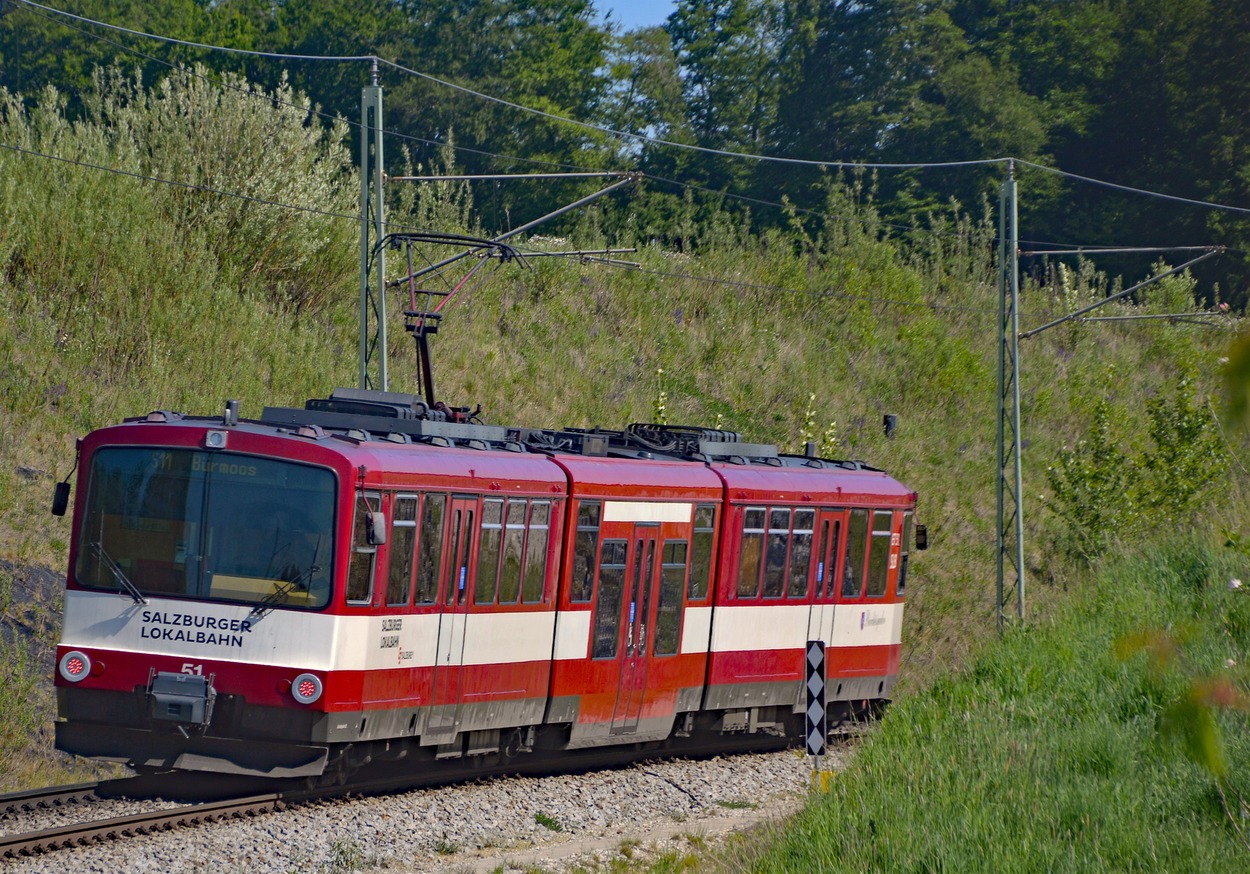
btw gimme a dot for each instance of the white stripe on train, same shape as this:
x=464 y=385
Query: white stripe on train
x=197 y=630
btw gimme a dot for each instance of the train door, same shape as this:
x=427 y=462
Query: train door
x=637 y=620
x=829 y=524
x=449 y=654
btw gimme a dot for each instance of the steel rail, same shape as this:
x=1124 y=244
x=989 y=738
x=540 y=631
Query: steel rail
x=137 y=787
x=30 y=800
x=82 y=833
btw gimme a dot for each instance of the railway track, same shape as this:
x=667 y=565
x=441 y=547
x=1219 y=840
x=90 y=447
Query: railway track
x=82 y=833
x=44 y=799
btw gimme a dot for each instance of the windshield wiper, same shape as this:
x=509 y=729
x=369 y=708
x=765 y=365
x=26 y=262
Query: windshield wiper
x=279 y=593
x=119 y=575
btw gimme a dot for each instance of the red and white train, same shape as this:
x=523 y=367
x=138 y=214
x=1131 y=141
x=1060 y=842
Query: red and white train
x=295 y=595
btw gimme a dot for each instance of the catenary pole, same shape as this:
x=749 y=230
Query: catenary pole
x=372 y=232
x=1010 y=538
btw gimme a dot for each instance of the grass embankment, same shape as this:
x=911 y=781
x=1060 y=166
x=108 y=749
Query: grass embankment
x=26 y=733
x=119 y=296
x=1085 y=744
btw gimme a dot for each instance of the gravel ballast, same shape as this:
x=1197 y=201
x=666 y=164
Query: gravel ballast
x=549 y=823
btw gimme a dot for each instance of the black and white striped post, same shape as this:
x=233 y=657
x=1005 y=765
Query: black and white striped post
x=817 y=721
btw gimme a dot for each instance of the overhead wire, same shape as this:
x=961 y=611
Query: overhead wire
x=816 y=213
x=824 y=164
x=1131 y=190
x=38 y=9
x=314 y=110
x=195 y=186
x=356 y=218
x=761 y=286
x=756 y=286
x=740 y=197
x=640 y=138
x=643 y=138
x=745 y=286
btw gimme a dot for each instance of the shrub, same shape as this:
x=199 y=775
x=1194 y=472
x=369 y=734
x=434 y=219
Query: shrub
x=1102 y=492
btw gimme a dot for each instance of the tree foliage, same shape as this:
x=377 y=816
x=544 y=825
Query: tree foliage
x=1145 y=93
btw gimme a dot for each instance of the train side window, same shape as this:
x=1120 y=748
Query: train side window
x=778 y=549
x=902 y=559
x=585 y=552
x=834 y=550
x=462 y=529
x=403 y=546
x=488 y=551
x=608 y=604
x=364 y=553
x=513 y=552
x=668 y=610
x=430 y=556
x=752 y=552
x=879 y=553
x=701 y=551
x=533 y=584
x=801 y=553
x=636 y=632
x=822 y=543
x=856 y=546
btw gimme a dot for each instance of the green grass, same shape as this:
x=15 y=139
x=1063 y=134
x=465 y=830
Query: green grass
x=1050 y=753
x=26 y=755
x=548 y=822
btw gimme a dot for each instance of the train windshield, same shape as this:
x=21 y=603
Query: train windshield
x=209 y=525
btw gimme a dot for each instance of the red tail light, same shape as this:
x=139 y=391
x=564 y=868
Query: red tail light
x=74 y=666
x=306 y=688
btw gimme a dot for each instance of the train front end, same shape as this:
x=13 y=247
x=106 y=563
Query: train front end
x=196 y=633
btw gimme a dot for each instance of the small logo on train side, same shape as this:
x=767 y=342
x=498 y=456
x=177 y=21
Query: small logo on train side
x=391 y=641
x=870 y=621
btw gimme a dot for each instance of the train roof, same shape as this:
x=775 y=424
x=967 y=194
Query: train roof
x=832 y=484
x=623 y=477
x=395 y=432
x=400 y=417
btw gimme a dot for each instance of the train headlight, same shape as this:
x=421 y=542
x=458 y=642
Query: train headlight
x=75 y=666
x=306 y=688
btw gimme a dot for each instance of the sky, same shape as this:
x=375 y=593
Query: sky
x=632 y=14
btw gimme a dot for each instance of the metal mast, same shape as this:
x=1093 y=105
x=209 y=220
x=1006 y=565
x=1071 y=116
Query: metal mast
x=1010 y=509
x=372 y=232
x=1010 y=535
